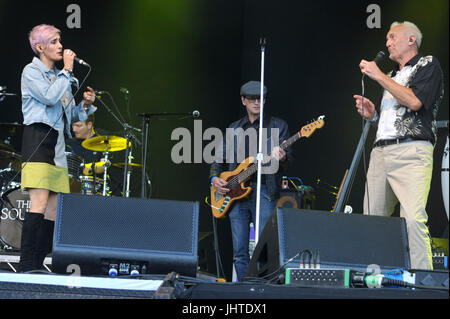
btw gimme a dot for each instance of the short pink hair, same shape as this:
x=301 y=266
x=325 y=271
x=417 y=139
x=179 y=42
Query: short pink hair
x=42 y=34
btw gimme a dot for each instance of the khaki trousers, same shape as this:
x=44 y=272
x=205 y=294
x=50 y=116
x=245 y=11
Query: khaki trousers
x=401 y=173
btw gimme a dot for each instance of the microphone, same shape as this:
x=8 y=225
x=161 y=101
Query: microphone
x=82 y=62
x=380 y=56
x=196 y=114
x=124 y=91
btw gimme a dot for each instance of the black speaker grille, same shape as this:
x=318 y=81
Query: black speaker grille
x=106 y=222
x=341 y=238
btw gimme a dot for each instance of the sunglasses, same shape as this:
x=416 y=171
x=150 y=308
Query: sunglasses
x=253 y=98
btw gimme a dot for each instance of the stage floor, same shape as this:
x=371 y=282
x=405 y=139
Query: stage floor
x=44 y=284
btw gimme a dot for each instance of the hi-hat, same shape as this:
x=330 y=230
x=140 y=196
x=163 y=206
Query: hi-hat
x=105 y=143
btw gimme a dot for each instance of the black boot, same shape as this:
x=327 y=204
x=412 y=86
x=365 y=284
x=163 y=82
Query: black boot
x=30 y=228
x=44 y=243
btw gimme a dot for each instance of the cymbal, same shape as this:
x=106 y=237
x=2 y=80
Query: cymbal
x=105 y=143
x=12 y=128
x=130 y=165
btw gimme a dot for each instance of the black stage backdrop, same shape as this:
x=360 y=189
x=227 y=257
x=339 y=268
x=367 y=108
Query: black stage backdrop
x=180 y=56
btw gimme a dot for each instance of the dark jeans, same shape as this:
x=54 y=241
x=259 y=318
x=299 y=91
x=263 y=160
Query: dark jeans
x=241 y=215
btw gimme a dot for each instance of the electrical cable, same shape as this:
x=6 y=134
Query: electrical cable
x=364 y=145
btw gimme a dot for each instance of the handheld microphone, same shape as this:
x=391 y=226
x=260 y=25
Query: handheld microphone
x=380 y=56
x=82 y=62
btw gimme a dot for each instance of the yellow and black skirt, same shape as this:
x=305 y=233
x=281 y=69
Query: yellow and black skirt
x=45 y=163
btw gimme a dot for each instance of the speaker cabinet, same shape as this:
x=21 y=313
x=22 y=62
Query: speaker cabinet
x=350 y=241
x=102 y=234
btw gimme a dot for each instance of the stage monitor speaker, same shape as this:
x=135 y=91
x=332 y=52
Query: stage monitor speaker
x=114 y=235
x=343 y=241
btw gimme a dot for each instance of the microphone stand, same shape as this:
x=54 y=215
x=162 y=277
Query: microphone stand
x=129 y=135
x=260 y=156
x=145 y=127
x=348 y=182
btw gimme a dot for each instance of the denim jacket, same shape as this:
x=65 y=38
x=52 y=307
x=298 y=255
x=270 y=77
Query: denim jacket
x=272 y=181
x=45 y=93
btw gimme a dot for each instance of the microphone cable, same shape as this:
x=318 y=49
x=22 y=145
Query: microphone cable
x=46 y=135
x=380 y=55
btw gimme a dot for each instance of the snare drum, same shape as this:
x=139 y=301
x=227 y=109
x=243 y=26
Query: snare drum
x=87 y=185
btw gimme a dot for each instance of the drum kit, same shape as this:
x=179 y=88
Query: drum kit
x=82 y=178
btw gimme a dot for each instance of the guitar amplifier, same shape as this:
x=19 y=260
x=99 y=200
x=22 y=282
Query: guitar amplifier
x=303 y=198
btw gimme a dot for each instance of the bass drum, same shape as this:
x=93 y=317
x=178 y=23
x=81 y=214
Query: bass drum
x=88 y=187
x=14 y=204
x=444 y=177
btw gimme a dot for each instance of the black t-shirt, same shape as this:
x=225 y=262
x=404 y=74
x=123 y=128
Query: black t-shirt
x=250 y=147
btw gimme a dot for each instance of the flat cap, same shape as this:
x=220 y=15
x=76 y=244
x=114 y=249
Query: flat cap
x=252 y=88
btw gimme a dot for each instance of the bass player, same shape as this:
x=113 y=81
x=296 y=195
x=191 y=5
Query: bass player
x=243 y=212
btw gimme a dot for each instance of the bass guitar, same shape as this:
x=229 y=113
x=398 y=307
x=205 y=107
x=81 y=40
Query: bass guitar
x=236 y=179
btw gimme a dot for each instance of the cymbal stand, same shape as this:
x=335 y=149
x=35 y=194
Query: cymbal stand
x=129 y=135
x=127 y=171
x=105 y=172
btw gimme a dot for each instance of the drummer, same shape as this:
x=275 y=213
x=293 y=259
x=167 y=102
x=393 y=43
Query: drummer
x=82 y=131
x=48 y=107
